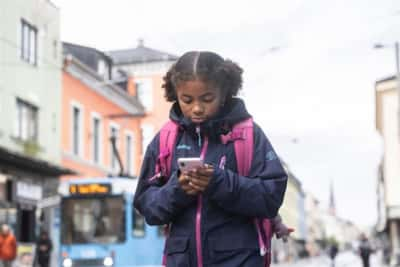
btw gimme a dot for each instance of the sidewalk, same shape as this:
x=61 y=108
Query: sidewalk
x=344 y=259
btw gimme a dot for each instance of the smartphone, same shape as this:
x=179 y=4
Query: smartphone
x=188 y=164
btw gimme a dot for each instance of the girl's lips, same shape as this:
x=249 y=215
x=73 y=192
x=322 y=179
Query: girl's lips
x=197 y=120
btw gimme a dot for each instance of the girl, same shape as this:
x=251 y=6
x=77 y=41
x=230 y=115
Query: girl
x=210 y=210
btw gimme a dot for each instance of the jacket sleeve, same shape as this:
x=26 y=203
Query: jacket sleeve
x=259 y=195
x=159 y=200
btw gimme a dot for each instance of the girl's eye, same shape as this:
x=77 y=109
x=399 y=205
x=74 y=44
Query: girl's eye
x=208 y=98
x=186 y=100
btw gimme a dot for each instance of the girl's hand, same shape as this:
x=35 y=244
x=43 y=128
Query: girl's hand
x=200 y=177
x=282 y=231
x=184 y=180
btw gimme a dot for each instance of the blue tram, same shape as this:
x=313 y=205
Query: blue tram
x=100 y=227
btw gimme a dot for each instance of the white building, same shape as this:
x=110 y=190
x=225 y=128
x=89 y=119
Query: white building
x=387 y=124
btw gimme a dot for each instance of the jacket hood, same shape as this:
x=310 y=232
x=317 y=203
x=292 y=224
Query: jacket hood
x=221 y=123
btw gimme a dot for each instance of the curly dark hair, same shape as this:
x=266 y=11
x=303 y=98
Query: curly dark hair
x=208 y=67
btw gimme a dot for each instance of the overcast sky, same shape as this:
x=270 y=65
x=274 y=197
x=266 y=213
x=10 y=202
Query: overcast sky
x=309 y=73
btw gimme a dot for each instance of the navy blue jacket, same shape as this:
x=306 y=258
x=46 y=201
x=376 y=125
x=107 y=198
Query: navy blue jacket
x=230 y=202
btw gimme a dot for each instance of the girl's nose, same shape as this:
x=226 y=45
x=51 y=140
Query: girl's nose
x=198 y=109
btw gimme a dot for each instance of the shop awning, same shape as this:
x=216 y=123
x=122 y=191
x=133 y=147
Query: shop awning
x=21 y=162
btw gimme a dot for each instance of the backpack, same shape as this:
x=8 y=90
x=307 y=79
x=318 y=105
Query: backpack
x=242 y=137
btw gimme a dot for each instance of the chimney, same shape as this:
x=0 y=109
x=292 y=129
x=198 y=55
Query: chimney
x=140 y=42
x=130 y=86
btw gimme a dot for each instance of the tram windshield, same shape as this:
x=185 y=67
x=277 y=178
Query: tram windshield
x=93 y=220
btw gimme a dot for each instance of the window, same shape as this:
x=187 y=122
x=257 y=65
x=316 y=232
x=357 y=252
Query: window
x=147 y=136
x=96 y=139
x=77 y=129
x=113 y=157
x=144 y=92
x=28 y=43
x=162 y=230
x=138 y=225
x=26 y=121
x=101 y=68
x=128 y=154
x=93 y=220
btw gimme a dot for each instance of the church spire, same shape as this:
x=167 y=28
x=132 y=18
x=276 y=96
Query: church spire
x=332 y=206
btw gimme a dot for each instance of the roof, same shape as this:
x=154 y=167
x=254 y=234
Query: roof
x=88 y=55
x=140 y=54
x=390 y=78
x=112 y=92
x=20 y=161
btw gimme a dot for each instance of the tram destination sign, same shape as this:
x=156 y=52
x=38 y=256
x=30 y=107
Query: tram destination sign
x=90 y=189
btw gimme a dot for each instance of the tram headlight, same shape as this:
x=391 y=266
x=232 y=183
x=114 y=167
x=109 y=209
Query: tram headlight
x=108 y=261
x=67 y=262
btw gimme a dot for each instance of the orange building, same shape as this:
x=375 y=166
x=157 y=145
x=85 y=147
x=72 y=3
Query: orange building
x=146 y=68
x=93 y=111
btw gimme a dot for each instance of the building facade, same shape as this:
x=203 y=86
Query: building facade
x=293 y=215
x=94 y=113
x=30 y=116
x=315 y=241
x=146 y=68
x=388 y=182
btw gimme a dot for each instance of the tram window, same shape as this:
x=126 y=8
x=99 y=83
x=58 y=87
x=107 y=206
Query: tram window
x=93 y=220
x=138 y=224
x=161 y=230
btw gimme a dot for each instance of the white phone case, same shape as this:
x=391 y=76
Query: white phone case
x=188 y=164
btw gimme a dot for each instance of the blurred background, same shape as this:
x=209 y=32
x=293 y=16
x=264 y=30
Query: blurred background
x=80 y=96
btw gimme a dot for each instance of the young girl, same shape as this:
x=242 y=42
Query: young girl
x=210 y=210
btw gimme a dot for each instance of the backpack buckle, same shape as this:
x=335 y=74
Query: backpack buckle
x=232 y=136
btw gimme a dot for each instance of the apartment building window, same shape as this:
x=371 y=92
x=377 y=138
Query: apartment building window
x=147 y=136
x=26 y=121
x=128 y=154
x=101 y=68
x=144 y=91
x=96 y=135
x=113 y=158
x=77 y=129
x=28 y=43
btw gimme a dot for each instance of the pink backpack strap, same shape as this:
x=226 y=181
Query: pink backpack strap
x=244 y=145
x=167 y=139
x=243 y=136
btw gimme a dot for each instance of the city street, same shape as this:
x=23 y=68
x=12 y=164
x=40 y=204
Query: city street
x=209 y=132
x=344 y=259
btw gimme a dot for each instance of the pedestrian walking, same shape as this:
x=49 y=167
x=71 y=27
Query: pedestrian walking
x=333 y=251
x=44 y=247
x=365 y=250
x=214 y=211
x=8 y=246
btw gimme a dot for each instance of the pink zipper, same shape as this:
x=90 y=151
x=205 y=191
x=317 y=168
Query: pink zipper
x=198 y=214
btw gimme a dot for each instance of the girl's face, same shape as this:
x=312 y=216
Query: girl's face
x=198 y=100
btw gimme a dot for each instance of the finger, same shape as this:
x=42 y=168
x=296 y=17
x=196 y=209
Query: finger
x=189 y=190
x=200 y=182
x=290 y=230
x=197 y=187
x=186 y=188
x=205 y=171
x=183 y=180
x=192 y=192
x=200 y=177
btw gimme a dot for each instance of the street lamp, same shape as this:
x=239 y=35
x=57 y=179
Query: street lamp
x=396 y=48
